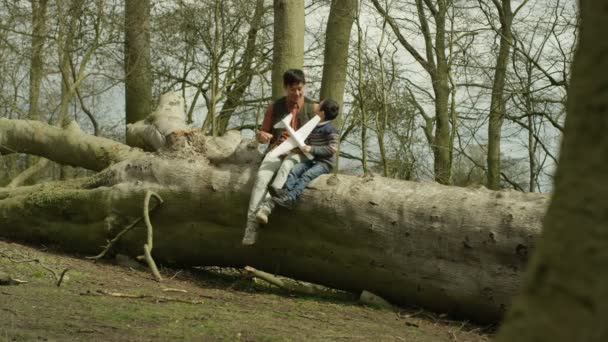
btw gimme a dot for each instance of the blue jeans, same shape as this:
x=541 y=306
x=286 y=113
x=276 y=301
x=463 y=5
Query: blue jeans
x=302 y=174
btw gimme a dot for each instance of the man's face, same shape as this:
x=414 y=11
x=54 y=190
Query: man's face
x=294 y=91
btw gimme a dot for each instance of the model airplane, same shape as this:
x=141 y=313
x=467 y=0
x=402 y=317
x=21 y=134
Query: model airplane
x=296 y=138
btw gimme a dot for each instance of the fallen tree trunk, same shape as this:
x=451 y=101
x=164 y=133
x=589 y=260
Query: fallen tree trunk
x=450 y=249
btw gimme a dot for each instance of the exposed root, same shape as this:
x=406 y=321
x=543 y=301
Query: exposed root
x=148 y=245
x=127 y=228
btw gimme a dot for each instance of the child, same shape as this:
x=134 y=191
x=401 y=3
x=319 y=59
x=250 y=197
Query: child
x=322 y=143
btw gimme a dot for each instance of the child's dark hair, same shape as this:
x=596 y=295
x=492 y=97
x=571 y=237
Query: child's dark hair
x=293 y=76
x=331 y=109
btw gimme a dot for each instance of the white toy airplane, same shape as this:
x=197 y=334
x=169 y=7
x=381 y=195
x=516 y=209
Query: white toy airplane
x=296 y=138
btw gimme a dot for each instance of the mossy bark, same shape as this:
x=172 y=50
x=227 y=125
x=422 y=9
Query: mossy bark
x=450 y=249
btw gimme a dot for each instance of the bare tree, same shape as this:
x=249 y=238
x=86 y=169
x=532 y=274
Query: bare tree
x=436 y=65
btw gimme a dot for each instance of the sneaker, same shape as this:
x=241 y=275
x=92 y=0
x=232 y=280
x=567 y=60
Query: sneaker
x=262 y=214
x=284 y=202
x=251 y=233
x=276 y=192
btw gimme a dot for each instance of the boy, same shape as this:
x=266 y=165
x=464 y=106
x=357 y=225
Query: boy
x=322 y=143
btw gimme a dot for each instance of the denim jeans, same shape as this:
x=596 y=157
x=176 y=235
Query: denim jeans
x=302 y=174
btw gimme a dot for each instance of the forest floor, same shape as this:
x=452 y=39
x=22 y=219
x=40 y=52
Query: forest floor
x=110 y=302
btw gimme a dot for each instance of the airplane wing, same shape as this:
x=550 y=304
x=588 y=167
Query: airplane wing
x=296 y=139
x=283 y=123
x=304 y=131
x=286 y=146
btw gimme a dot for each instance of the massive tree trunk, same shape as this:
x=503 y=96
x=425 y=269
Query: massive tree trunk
x=138 y=78
x=288 y=41
x=456 y=250
x=565 y=296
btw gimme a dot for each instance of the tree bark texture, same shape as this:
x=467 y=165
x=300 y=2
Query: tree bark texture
x=39 y=8
x=138 y=78
x=565 y=297
x=497 y=101
x=455 y=250
x=288 y=41
x=337 y=43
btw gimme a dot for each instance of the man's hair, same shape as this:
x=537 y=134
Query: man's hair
x=331 y=108
x=293 y=76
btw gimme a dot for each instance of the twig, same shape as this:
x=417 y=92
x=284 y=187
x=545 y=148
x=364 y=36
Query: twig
x=61 y=277
x=168 y=289
x=11 y=311
x=121 y=233
x=288 y=285
x=143 y=296
x=148 y=245
x=175 y=275
x=55 y=275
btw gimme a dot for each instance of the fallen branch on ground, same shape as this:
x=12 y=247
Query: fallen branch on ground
x=142 y=296
x=290 y=285
x=58 y=277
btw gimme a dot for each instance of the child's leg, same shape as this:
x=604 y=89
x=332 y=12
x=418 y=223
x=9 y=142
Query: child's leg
x=295 y=174
x=298 y=186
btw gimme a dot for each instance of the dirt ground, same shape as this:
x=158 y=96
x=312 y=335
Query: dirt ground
x=109 y=302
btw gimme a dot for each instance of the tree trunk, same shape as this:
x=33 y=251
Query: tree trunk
x=440 y=78
x=288 y=41
x=337 y=43
x=497 y=103
x=37 y=64
x=450 y=249
x=138 y=79
x=245 y=75
x=565 y=295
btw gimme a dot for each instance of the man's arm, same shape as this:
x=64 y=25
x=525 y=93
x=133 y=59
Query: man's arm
x=264 y=135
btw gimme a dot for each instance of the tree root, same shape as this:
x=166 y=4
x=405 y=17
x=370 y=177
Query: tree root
x=148 y=245
x=127 y=229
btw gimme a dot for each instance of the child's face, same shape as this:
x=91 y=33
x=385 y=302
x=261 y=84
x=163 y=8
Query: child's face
x=320 y=112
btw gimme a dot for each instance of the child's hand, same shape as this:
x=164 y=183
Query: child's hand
x=306 y=149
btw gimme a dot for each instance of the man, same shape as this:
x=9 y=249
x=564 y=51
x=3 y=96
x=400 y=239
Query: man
x=302 y=109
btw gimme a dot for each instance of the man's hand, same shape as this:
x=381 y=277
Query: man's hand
x=264 y=137
x=306 y=149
